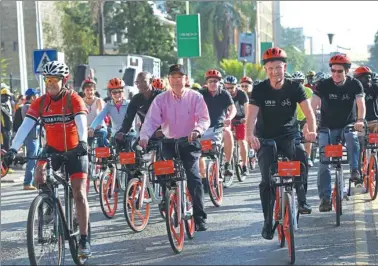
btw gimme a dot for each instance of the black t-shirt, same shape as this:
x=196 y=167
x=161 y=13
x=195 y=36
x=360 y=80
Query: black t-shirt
x=217 y=105
x=277 y=108
x=240 y=99
x=371 y=102
x=138 y=105
x=338 y=103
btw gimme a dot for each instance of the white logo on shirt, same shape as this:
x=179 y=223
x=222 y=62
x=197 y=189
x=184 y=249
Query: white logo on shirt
x=333 y=96
x=369 y=97
x=286 y=102
x=270 y=103
x=345 y=97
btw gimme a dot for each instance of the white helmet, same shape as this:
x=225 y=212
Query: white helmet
x=298 y=76
x=319 y=76
x=56 y=68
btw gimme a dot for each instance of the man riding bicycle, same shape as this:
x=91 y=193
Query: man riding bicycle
x=272 y=108
x=337 y=98
x=181 y=112
x=64 y=117
x=240 y=99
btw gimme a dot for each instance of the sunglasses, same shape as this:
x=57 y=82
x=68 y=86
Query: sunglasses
x=52 y=79
x=337 y=70
x=212 y=81
x=117 y=92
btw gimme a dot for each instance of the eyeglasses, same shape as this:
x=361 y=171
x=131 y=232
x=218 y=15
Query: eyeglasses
x=337 y=70
x=212 y=81
x=117 y=92
x=52 y=79
x=244 y=86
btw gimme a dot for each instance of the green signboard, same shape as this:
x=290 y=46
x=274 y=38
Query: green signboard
x=188 y=36
x=263 y=47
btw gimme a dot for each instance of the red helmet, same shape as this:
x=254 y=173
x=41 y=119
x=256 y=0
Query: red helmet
x=273 y=54
x=362 y=70
x=246 y=80
x=340 y=59
x=158 y=84
x=88 y=81
x=213 y=73
x=115 y=83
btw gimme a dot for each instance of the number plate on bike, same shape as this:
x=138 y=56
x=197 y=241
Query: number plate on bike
x=164 y=167
x=373 y=138
x=206 y=145
x=127 y=157
x=102 y=152
x=291 y=168
x=333 y=151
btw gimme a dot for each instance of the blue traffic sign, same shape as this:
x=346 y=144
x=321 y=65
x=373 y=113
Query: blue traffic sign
x=41 y=57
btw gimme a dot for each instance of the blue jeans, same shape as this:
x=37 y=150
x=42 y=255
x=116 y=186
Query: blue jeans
x=324 y=172
x=32 y=149
x=101 y=134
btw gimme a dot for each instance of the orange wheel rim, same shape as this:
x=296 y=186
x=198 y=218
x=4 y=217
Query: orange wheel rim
x=277 y=206
x=178 y=237
x=334 y=198
x=372 y=181
x=191 y=223
x=280 y=236
x=136 y=214
x=218 y=190
x=106 y=187
x=287 y=230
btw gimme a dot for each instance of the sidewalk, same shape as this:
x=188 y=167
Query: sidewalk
x=16 y=177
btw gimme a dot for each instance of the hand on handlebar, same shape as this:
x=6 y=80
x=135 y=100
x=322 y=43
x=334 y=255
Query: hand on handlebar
x=227 y=122
x=193 y=136
x=359 y=126
x=310 y=136
x=143 y=143
x=9 y=157
x=243 y=121
x=253 y=142
x=90 y=132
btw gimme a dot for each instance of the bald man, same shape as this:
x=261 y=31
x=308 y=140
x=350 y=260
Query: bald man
x=140 y=103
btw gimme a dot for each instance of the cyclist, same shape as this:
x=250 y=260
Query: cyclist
x=66 y=130
x=181 y=112
x=140 y=103
x=273 y=102
x=221 y=111
x=363 y=74
x=240 y=99
x=196 y=86
x=115 y=109
x=337 y=98
x=246 y=84
x=299 y=77
x=94 y=106
x=310 y=79
x=374 y=78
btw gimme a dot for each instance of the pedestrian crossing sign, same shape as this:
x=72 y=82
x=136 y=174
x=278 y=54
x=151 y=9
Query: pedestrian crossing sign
x=41 y=57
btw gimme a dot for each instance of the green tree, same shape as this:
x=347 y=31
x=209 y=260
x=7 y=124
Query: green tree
x=295 y=58
x=3 y=68
x=292 y=37
x=79 y=33
x=145 y=34
x=201 y=64
x=235 y=68
x=373 y=60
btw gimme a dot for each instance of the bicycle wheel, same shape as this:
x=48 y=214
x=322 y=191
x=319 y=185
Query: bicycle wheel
x=190 y=226
x=108 y=200
x=289 y=228
x=215 y=188
x=252 y=163
x=44 y=218
x=238 y=168
x=136 y=218
x=229 y=179
x=4 y=167
x=365 y=171
x=336 y=198
x=373 y=177
x=277 y=218
x=175 y=228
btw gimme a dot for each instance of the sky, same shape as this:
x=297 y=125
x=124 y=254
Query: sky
x=354 y=23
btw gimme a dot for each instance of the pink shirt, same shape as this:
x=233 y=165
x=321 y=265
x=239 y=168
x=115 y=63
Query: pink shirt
x=177 y=117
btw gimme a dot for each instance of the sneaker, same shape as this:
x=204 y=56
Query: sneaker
x=355 y=176
x=84 y=248
x=29 y=187
x=304 y=208
x=310 y=163
x=325 y=205
x=201 y=226
x=244 y=170
x=227 y=170
x=266 y=231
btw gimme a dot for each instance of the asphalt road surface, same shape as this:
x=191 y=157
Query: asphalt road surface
x=234 y=235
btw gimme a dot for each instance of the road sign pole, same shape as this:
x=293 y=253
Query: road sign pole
x=21 y=48
x=39 y=43
x=188 y=66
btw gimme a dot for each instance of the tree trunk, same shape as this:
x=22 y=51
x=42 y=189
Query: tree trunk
x=101 y=31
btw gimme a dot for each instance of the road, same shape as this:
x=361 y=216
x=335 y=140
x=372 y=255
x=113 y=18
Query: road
x=234 y=235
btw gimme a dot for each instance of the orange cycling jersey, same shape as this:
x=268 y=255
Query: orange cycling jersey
x=60 y=135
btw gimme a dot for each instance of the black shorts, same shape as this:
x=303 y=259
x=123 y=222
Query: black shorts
x=76 y=167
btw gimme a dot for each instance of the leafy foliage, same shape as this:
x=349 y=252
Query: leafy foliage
x=235 y=68
x=373 y=60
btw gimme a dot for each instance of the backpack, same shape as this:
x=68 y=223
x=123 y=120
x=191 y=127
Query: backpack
x=17 y=119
